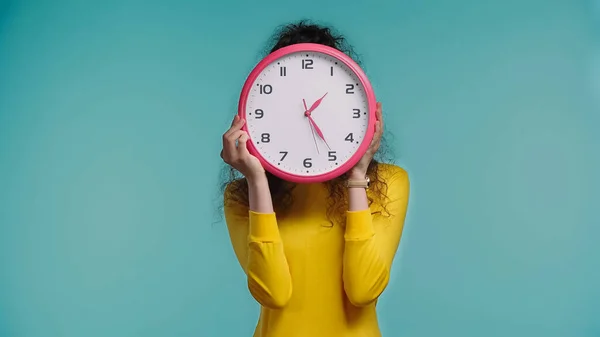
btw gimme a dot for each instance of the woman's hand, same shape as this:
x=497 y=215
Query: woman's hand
x=235 y=152
x=359 y=171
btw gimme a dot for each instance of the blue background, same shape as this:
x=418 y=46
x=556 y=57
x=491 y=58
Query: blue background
x=111 y=114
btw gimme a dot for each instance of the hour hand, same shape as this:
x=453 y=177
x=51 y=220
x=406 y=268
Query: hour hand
x=315 y=104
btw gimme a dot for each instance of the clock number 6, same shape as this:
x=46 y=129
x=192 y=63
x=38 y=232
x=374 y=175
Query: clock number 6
x=307 y=163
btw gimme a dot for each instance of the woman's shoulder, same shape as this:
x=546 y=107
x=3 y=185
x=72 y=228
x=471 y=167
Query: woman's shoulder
x=233 y=185
x=235 y=193
x=391 y=172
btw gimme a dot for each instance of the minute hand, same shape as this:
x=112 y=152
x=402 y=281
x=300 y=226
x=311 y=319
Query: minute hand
x=319 y=132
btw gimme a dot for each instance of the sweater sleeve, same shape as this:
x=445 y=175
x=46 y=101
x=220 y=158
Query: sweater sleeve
x=370 y=245
x=258 y=247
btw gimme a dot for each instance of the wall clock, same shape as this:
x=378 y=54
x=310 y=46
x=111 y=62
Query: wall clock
x=309 y=111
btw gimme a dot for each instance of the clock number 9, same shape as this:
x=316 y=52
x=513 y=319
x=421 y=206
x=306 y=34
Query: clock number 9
x=307 y=163
x=259 y=113
x=266 y=89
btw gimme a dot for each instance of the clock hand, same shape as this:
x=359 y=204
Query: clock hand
x=314 y=138
x=319 y=132
x=311 y=126
x=312 y=122
x=315 y=104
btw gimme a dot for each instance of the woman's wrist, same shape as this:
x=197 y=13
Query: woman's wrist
x=257 y=178
x=356 y=174
x=259 y=194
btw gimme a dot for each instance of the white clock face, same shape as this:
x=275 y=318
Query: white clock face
x=301 y=143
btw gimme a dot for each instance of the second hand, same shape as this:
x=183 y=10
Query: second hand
x=311 y=128
x=314 y=138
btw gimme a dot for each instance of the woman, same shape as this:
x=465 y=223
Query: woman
x=318 y=267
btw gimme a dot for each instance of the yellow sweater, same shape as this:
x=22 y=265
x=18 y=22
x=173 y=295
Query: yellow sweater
x=313 y=279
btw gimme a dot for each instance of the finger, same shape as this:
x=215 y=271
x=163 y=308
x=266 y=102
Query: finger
x=242 y=142
x=234 y=136
x=379 y=113
x=235 y=125
x=380 y=133
x=235 y=119
x=229 y=143
x=377 y=136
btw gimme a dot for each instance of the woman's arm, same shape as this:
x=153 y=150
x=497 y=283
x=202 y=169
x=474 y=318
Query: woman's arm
x=253 y=229
x=370 y=245
x=259 y=195
x=257 y=244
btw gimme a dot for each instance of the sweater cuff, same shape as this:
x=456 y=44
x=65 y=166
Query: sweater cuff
x=263 y=227
x=359 y=225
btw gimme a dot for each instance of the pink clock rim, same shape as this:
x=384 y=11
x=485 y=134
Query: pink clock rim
x=350 y=63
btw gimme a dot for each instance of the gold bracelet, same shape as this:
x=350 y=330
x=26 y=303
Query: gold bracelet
x=363 y=183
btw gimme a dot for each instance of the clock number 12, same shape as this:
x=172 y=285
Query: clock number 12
x=307 y=64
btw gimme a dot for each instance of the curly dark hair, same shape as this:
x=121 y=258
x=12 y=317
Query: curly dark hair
x=235 y=188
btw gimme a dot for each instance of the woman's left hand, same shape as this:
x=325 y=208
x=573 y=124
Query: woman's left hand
x=359 y=171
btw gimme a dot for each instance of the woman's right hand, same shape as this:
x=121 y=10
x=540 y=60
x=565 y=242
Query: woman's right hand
x=236 y=154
